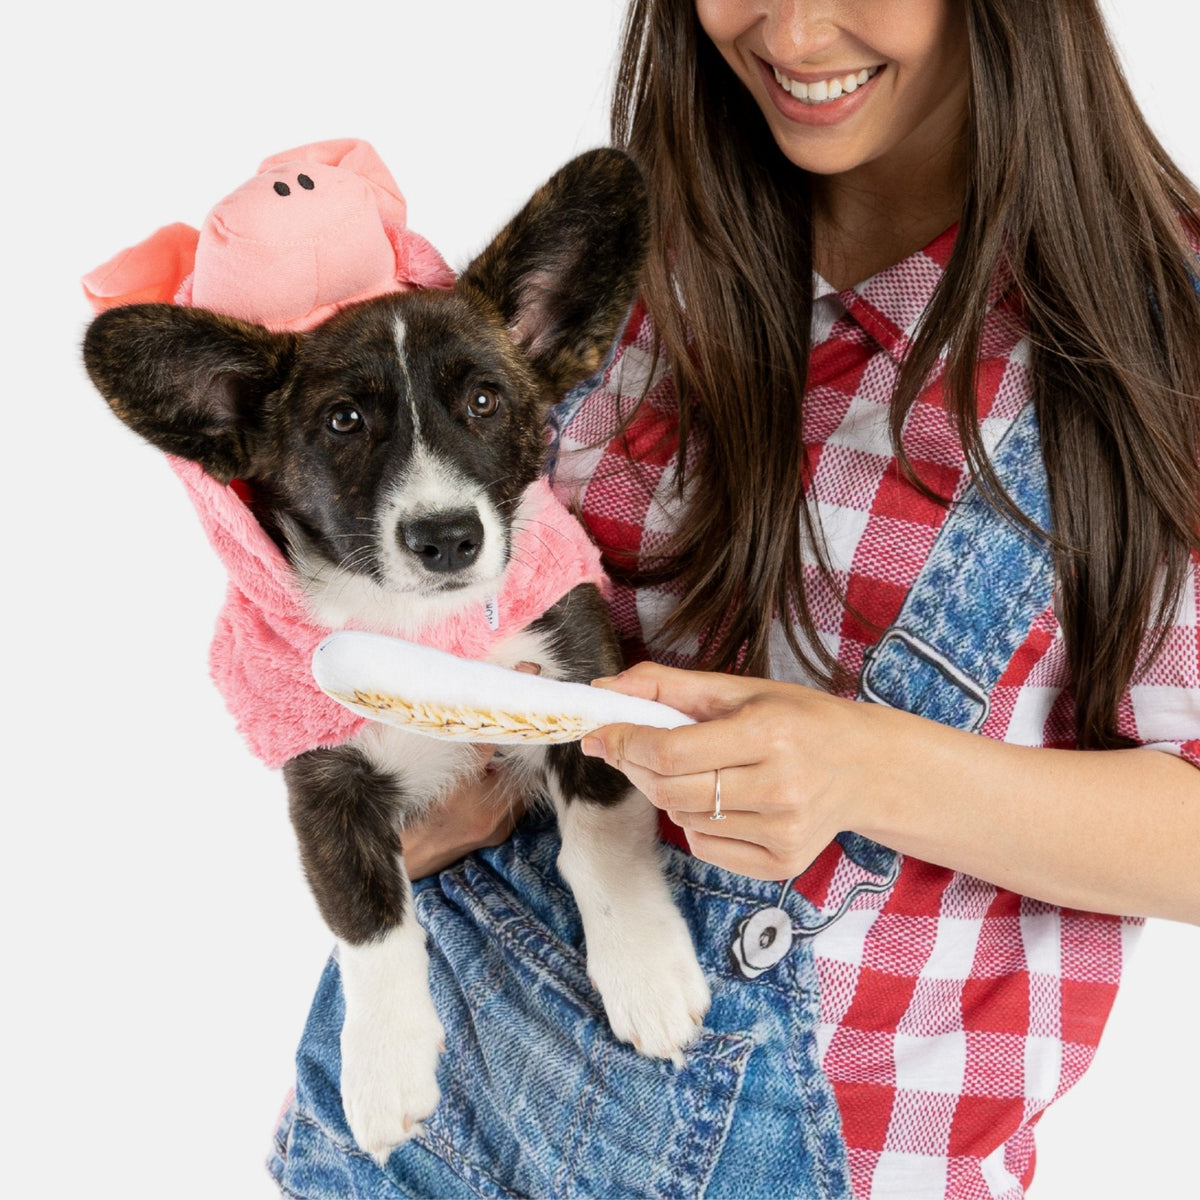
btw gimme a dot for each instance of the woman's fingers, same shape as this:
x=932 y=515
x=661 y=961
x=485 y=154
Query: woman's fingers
x=702 y=695
x=790 y=762
x=740 y=856
x=690 y=800
x=671 y=772
x=676 y=768
x=688 y=749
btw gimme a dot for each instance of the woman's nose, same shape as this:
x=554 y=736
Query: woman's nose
x=798 y=30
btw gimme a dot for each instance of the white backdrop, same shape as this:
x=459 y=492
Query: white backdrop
x=162 y=944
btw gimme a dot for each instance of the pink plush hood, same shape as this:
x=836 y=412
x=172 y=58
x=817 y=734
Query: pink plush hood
x=261 y=655
x=315 y=229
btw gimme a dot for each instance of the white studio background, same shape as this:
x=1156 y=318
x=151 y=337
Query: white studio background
x=162 y=944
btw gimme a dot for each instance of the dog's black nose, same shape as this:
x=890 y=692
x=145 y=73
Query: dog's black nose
x=446 y=542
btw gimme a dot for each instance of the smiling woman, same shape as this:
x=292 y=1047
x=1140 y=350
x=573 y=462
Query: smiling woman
x=864 y=103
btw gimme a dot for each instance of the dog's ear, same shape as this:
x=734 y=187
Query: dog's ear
x=565 y=270
x=189 y=381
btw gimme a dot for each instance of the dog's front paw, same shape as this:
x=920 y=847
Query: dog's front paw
x=653 y=989
x=389 y=1077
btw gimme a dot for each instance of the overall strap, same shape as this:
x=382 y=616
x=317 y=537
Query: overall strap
x=971 y=607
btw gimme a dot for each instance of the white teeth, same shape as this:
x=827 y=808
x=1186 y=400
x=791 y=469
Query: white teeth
x=825 y=90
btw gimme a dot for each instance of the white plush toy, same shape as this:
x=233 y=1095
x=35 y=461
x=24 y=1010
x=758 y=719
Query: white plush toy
x=429 y=691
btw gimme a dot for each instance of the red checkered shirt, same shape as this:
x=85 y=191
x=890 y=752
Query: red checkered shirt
x=952 y=1012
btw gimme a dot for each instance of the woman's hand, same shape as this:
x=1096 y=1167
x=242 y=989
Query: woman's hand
x=795 y=765
x=481 y=813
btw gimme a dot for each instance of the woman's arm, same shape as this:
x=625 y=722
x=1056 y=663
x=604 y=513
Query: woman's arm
x=1107 y=831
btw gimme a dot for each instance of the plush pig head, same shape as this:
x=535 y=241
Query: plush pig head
x=315 y=229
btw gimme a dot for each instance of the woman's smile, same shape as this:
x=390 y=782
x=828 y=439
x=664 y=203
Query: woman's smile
x=816 y=97
x=846 y=85
x=823 y=91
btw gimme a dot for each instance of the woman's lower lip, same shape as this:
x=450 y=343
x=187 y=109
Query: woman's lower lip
x=830 y=112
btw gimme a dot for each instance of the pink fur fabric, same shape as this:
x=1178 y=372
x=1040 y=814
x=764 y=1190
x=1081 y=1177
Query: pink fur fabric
x=316 y=228
x=261 y=656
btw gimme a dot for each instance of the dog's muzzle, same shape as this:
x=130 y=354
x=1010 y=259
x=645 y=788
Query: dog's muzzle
x=444 y=542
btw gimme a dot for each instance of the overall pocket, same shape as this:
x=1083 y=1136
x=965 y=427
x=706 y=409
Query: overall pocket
x=538 y=1098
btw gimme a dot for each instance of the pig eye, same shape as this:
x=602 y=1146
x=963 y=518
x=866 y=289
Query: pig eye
x=306 y=183
x=344 y=419
x=483 y=402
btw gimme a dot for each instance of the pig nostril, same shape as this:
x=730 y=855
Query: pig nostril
x=282 y=188
x=306 y=183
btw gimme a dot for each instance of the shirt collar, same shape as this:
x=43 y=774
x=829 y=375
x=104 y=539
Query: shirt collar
x=890 y=306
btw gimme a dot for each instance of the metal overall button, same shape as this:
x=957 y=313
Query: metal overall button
x=764 y=938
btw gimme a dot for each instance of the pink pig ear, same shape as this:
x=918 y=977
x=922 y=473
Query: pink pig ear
x=147 y=273
x=351 y=154
x=418 y=264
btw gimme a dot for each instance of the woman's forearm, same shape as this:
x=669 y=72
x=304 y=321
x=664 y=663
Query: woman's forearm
x=1110 y=831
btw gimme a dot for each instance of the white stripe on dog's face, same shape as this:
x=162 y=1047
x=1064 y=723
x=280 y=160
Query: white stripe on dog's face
x=431 y=487
x=400 y=333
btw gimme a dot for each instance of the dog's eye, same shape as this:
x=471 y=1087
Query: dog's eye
x=345 y=419
x=483 y=402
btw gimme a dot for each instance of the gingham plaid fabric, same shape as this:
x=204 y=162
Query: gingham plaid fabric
x=952 y=1013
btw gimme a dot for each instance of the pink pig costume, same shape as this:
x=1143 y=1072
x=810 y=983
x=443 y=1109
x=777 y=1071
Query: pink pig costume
x=317 y=228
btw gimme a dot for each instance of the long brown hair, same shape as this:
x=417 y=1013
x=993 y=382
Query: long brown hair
x=1068 y=186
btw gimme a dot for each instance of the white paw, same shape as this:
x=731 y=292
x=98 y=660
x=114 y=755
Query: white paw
x=653 y=989
x=389 y=1076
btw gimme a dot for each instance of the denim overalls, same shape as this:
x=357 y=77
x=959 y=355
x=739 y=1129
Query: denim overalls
x=538 y=1099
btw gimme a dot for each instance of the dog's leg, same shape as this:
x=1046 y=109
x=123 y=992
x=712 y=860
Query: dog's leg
x=639 y=950
x=391 y=1037
x=346 y=813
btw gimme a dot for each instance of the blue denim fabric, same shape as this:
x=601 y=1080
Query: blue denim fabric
x=985 y=582
x=538 y=1099
x=970 y=608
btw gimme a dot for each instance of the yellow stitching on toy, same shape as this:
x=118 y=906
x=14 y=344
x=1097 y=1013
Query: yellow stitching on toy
x=471 y=724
